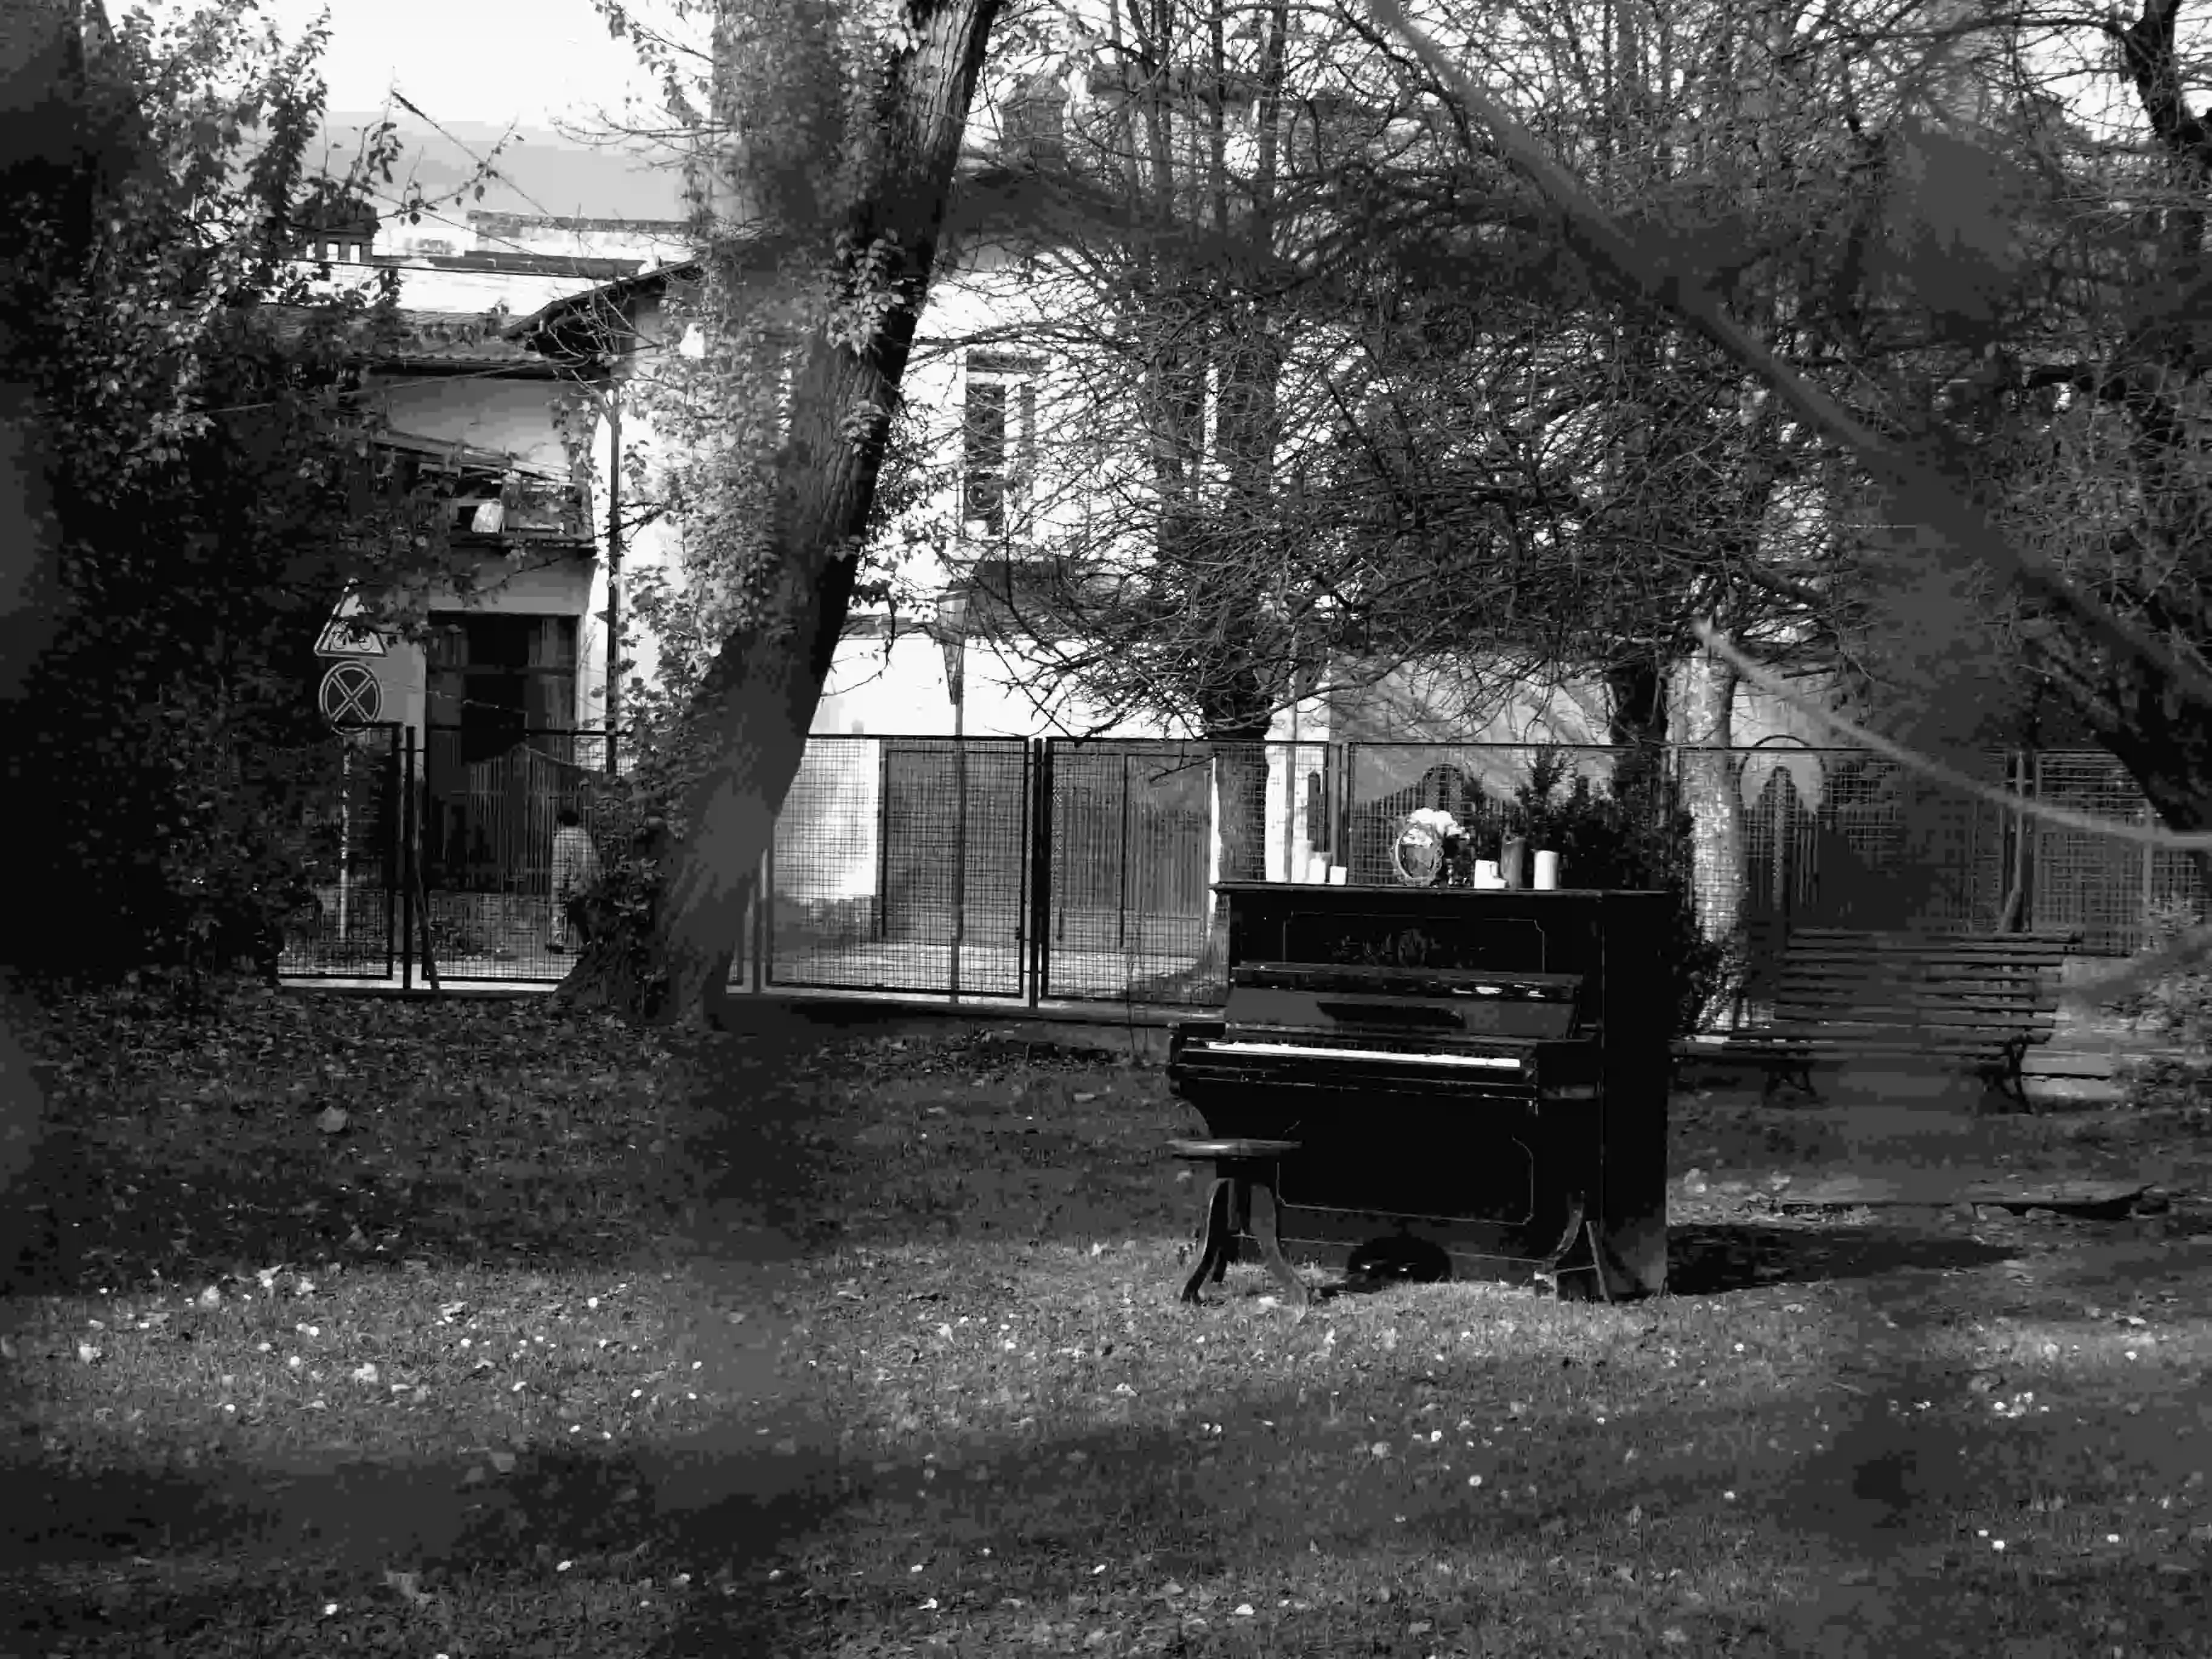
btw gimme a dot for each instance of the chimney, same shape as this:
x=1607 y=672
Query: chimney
x=1033 y=132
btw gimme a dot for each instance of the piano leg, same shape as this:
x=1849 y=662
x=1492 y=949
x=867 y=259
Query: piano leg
x=1219 y=1221
x=1261 y=1198
x=1555 y=1264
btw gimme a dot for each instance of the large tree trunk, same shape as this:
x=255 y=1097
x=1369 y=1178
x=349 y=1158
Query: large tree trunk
x=1709 y=789
x=1240 y=825
x=745 y=730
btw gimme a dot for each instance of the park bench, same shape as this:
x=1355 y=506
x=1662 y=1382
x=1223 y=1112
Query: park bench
x=1972 y=1002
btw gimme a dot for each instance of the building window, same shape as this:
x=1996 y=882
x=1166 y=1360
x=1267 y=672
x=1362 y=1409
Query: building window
x=986 y=470
x=495 y=676
x=1000 y=440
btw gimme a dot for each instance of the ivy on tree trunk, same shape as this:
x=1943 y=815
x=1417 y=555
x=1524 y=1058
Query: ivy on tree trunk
x=744 y=731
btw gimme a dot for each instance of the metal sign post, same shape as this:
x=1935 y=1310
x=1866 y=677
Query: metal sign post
x=351 y=696
x=952 y=635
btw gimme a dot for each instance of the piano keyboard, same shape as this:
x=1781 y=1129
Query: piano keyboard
x=1314 y=1051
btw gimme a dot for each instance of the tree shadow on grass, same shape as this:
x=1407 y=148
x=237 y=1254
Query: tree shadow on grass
x=190 y=1179
x=1715 y=1259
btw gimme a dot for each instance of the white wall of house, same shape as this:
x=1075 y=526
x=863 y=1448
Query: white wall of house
x=656 y=242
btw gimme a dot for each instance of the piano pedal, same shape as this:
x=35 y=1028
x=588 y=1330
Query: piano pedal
x=1400 y=1259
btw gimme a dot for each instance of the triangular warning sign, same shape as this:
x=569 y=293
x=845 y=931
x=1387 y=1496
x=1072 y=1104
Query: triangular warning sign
x=343 y=638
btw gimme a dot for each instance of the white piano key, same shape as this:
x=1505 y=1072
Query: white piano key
x=1302 y=1051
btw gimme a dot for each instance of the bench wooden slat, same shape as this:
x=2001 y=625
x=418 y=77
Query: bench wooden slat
x=1928 y=1036
x=1838 y=959
x=1949 y=1014
x=1887 y=1027
x=1995 y=941
x=1818 y=1053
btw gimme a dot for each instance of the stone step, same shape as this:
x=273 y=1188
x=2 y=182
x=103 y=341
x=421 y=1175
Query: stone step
x=1919 y=1186
x=2075 y=1091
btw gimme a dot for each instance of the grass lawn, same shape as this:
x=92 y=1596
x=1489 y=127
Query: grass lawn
x=357 y=1326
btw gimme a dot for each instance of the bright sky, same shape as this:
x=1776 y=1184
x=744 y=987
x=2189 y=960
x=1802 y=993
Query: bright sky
x=494 y=61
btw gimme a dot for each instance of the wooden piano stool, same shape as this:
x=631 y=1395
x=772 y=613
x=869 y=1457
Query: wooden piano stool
x=1242 y=1201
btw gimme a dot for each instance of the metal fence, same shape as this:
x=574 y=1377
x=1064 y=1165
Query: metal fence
x=348 y=820
x=1478 y=784
x=489 y=803
x=2102 y=886
x=1844 y=838
x=1125 y=907
x=1071 y=869
x=900 y=864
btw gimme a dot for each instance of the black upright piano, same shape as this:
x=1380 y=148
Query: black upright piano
x=1484 y=1069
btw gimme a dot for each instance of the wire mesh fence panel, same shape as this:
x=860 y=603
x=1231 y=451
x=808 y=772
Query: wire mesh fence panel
x=1846 y=838
x=901 y=866
x=342 y=800
x=2106 y=888
x=1131 y=849
x=493 y=851
x=1781 y=801
x=1478 y=784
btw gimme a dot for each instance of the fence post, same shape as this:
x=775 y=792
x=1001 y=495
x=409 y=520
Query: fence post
x=756 y=970
x=880 y=910
x=409 y=817
x=1024 y=906
x=391 y=802
x=1040 y=830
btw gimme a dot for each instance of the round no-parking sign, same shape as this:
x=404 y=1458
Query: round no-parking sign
x=351 y=695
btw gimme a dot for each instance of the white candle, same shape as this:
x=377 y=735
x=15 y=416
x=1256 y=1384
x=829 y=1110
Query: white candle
x=1317 y=869
x=1548 y=871
x=1339 y=874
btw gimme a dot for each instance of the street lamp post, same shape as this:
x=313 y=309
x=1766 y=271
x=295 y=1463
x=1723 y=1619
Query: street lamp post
x=952 y=638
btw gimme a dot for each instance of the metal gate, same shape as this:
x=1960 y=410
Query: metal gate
x=903 y=864
x=1122 y=904
x=350 y=815
x=489 y=804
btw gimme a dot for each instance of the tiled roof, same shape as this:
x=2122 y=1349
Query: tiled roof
x=456 y=336
x=425 y=339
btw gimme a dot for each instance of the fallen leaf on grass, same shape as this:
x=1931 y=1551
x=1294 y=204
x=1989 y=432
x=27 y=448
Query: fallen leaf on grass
x=408 y=1585
x=331 y=1120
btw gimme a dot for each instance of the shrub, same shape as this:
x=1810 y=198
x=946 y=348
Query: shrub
x=1635 y=833
x=2179 y=1005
